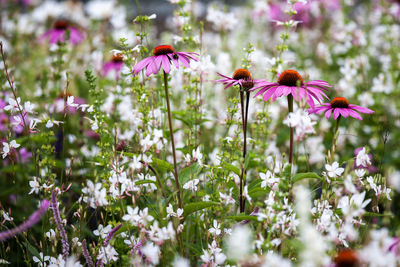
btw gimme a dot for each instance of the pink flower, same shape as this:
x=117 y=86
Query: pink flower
x=340 y=106
x=290 y=82
x=116 y=63
x=163 y=55
x=58 y=33
x=240 y=77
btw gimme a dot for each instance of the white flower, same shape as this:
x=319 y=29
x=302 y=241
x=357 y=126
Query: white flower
x=152 y=253
x=359 y=172
x=35 y=186
x=102 y=231
x=334 y=170
x=362 y=158
x=216 y=230
x=13 y=105
x=171 y=213
x=41 y=260
x=268 y=179
x=70 y=101
x=6 y=216
x=8 y=146
x=51 y=234
x=353 y=206
x=191 y=185
x=239 y=243
x=107 y=254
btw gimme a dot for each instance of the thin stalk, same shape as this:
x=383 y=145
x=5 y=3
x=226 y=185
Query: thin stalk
x=245 y=141
x=290 y=107
x=171 y=131
x=244 y=153
x=335 y=133
x=157 y=178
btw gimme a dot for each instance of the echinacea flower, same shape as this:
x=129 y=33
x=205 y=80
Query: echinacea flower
x=241 y=77
x=340 y=106
x=163 y=55
x=291 y=82
x=59 y=33
x=115 y=64
x=346 y=257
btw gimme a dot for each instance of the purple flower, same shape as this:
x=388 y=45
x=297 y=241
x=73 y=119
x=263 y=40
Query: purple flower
x=240 y=77
x=60 y=227
x=58 y=33
x=291 y=82
x=115 y=64
x=340 y=106
x=163 y=55
x=33 y=219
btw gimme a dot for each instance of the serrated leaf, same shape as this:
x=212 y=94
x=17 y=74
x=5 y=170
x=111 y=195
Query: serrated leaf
x=196 y=206
x=241 y=218
x=306 y=175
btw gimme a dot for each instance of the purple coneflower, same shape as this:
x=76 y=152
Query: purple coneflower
x=241 y=77
x=58 y=33
x=290 y=82
x=33 y=219
x=115 y=64
x=340 y=106
x=163 y=55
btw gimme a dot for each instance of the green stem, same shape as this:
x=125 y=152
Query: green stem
x=171 y=131
x=244 y=152
x=290 y=107
x=335 y=133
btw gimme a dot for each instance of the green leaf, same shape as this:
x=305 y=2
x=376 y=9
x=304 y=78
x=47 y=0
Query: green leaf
x=247 y=160
x=32 y=249
x=189 y=173
x=373 y=214
x=162 y=165
x=257 y=192
x=196 y=206
x=306 y=175
x=145 y=182
x=241 y=217
x=232 y=168
x=254 y=184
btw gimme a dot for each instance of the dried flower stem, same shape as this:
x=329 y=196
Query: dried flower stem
x=171 y=131
x=33 y=219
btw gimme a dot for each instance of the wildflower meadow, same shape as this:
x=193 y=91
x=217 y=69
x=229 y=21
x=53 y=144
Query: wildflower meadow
x=200 y=133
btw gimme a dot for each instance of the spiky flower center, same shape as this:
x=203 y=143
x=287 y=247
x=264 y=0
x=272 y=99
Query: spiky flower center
x=163 y=50
x=241 y=74
x=290 y=78
x=346 y=258
x=117 y=58
x=340 y=102
x=61 y=24
x=4 y=120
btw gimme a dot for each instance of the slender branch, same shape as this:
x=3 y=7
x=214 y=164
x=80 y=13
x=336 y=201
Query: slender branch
x=171 y=131
x=157 y=177
x=11 y=84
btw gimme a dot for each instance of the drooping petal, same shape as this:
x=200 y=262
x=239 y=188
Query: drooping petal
x=344 y=112
x=328 y=113
x=319 y=83
x=166 y=64
x=361 y=109
x=269 y=93
x=185 y=61
x=141 y=65
x=158 y=62
x=354 y=114
x=336 y=113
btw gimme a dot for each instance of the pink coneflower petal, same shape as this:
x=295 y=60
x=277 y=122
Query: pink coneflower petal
x=166 y=64
x=269 y=94
x=328 y=113
x=361 y=109
x=354 y=114
x=344 y=112
x=184 y=61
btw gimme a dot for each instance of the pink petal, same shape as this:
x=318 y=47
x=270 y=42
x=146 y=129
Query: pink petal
x=354 y=114
x=361 y=109
x=336 y=113
x=328 y=113
x=166 y=64
x=344 y=112
x=269 y=93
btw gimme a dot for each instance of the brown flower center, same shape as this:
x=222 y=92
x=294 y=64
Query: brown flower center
x=346 y=258
x=61 y=24
x=339 y=102
x=290 y=78
x=163 y=50
x=64 y=94
x=241 y=74
x=117 y=58
x=4 y=120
